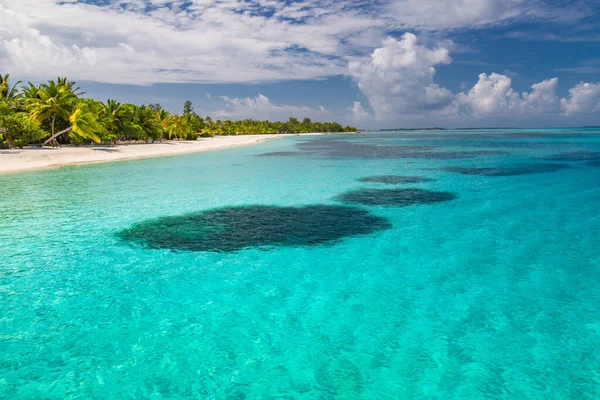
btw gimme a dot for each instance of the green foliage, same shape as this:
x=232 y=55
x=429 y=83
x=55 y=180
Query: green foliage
x=188 y=108
x=84 y=123
x=9 y=94
x=56 y=111
x=16 y=129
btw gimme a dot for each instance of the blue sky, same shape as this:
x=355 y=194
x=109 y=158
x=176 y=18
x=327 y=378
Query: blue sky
x=385 y=63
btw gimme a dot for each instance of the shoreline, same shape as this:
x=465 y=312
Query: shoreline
x=35 y=159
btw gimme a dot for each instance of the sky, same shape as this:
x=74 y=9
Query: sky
x=368 y=63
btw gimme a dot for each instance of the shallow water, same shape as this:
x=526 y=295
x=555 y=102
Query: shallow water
x=492 y=294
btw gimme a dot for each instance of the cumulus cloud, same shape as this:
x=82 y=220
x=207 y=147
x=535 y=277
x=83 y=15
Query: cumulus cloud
x=542 y=99
x=358 y=112
x=260 y=107
x=152 y=41
x=583 y=98
x=398 y=80
x=398 y=77
x=491 y=95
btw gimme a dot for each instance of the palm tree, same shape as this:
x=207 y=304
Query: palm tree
x=163 y=119
x=60 y=100
x=9 y=93
x=112 y=116
x=209 y=127
x=71 y=85
x=30 y=92
x=84 y=123
x=147 y=120
x=6 y=91
x=179 y=126
x=53 y=100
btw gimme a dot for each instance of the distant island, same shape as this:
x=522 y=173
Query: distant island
x=440 y=129
x=56 y=113
x=474 y=128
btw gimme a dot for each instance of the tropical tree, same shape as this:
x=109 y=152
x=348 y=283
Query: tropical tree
x=163 y=119
x=179 y=126
x=52 y=100
x=140 y=122
x=16 y=128
x=188 y=108
x=83 y=123
x=8 y=92
x=210 y=127
x=58 y=107
x=112 y=116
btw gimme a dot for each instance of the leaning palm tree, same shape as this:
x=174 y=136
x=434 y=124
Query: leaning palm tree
x=54 y=100
x=83 y=122
x=60 y=100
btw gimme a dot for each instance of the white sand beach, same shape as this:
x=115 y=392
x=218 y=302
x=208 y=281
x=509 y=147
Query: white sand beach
x=33 y=158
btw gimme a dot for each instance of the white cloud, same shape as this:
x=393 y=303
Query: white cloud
x=398 y=80
x=358 y=112
x=542 y=99
x=151 y=41
x=398 y=77
x=491 y=95
x=455 y=14
x=583 y=98
x=260 y=107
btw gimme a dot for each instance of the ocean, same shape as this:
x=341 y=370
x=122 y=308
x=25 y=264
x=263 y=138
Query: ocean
x=380 y=265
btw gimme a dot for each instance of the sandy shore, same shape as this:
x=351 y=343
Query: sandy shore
x=42 y=158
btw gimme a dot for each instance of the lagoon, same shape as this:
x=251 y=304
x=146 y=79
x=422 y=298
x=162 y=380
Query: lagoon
x=487 y=291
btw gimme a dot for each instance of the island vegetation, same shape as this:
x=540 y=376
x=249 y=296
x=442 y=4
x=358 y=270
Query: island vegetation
x=57 y=112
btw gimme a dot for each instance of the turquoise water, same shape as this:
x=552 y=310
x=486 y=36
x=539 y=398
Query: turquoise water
x=492 y=294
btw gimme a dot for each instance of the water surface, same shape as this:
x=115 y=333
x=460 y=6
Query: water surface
x=493 y=293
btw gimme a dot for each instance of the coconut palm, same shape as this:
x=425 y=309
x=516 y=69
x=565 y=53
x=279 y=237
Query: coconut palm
x=163 y=119
x=30 y=92
x=179 y=126
x=53 y=100
x=8 y=92
x=112 y=116
x=60 y=100
x=83 y=122
x=146 y=119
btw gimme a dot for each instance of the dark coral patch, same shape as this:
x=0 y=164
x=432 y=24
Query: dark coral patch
x=237 y=228
x=508 y=171
x=593 y=163
x=394 y=179
x=395 y=197
x=575 y=156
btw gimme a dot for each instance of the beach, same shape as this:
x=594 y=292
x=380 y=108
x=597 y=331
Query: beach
x=33 y=158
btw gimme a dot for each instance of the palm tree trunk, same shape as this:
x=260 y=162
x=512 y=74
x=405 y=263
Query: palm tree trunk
x=54 y=141
x=54 y=136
